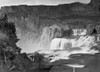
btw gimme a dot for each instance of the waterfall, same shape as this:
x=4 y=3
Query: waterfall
x=48 y=33
x=82 y=43
x=61 y=48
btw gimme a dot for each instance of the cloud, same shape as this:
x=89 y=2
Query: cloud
x=19 y=1
x=54 y=2
x=38 y=2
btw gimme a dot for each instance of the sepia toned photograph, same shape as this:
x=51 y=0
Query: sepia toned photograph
x=49 y=35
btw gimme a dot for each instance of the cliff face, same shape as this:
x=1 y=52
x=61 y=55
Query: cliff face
x=31 y=20
x=8 y=37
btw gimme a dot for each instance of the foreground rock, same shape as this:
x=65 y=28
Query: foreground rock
x=11 y=60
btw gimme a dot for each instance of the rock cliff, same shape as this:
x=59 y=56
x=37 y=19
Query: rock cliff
x=11 y=59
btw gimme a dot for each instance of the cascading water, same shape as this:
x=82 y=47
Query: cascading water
x=48 y=33
x=63 y=47
x=83 y=43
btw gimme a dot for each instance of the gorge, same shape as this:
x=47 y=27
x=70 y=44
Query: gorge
x=50 y=36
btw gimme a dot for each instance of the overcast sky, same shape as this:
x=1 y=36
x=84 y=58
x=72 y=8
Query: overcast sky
x=38 y=2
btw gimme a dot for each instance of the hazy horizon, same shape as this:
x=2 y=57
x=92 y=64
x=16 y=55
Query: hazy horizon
x=39 y=2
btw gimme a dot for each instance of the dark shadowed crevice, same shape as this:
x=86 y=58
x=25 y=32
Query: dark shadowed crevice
x=94 y=32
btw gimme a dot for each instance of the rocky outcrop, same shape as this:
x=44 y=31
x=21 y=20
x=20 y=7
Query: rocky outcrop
x=8 y=37
x=95 y=4
x=11 y=59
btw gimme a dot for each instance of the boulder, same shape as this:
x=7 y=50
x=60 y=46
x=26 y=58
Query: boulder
x=97 y=29
x=90 y=29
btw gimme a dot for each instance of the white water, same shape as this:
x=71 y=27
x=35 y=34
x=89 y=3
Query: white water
x=79 y=31
x=82 y=42
x=65 y=47
x=62 y=48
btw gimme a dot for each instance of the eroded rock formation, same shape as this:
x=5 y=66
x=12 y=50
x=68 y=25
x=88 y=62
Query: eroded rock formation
x=11 y=60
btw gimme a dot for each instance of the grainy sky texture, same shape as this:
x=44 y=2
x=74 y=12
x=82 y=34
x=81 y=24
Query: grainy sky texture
x=38 y=2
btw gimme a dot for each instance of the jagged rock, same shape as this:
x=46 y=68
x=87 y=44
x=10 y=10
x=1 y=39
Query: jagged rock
x=90 y=28
x=22 y=63
x=95 y=4
x=8 y=48
x=93 y=29
x=10 y=57
x=97 y=29
x=8 y=37
x=55 y=31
